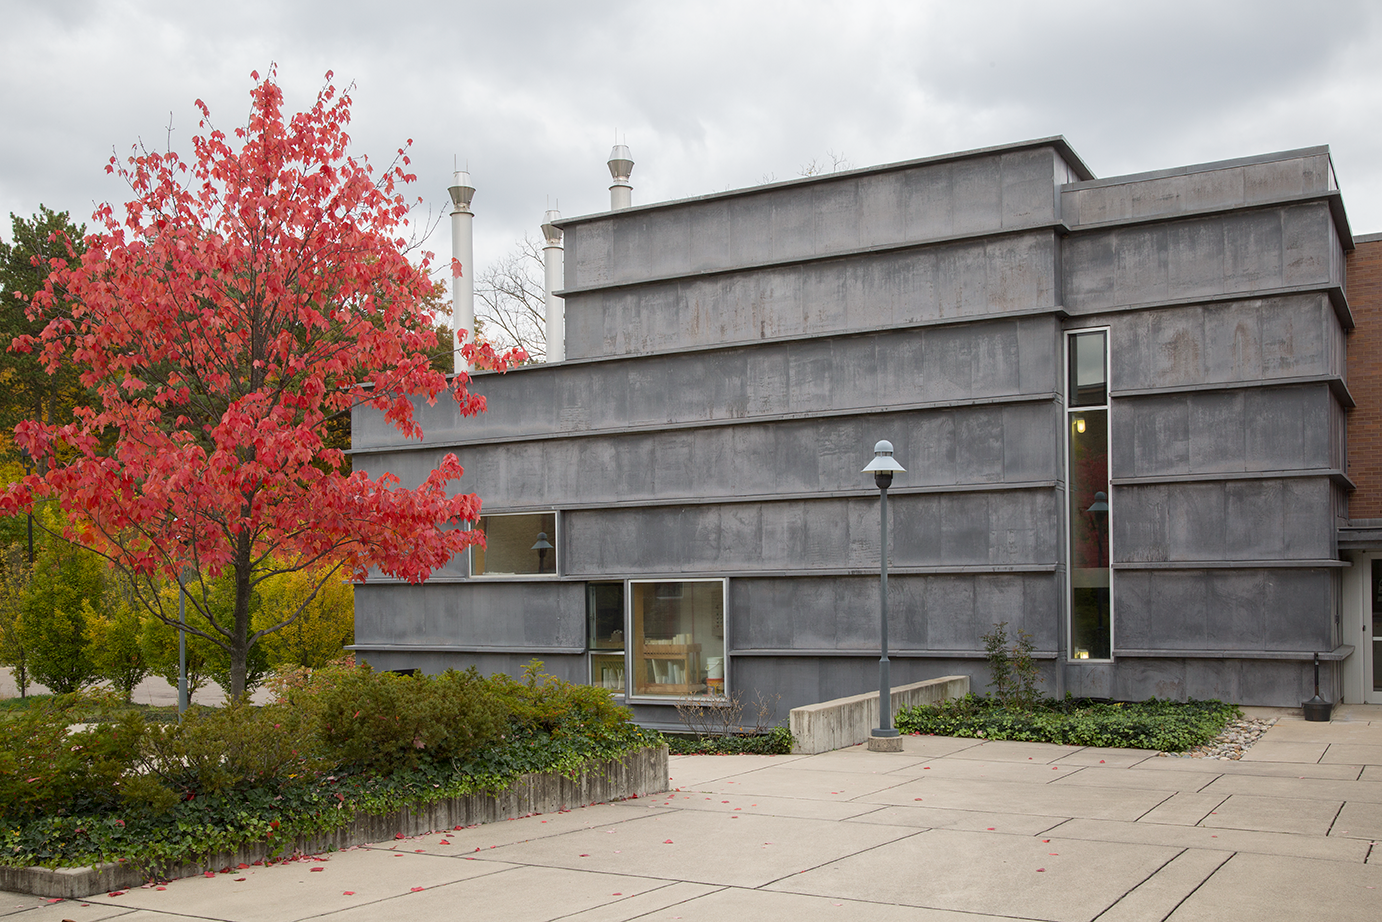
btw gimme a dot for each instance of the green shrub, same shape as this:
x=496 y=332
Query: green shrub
x=542 y=703
x=1166 y=726
x=382 y=722
x=46 y=768
x=214 y=750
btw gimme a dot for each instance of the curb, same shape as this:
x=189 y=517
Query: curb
x=637 y=774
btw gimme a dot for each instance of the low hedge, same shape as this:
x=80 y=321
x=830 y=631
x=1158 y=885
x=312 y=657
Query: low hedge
x=776 y=742
x=336 y=743
x=1165 y=726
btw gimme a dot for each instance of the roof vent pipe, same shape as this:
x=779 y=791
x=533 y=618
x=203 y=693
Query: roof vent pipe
x=553 y=262
x=462 y=251
x=621 y=168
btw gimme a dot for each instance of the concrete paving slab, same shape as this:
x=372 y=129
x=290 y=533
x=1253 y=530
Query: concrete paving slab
x=518 y=894
x=1030 y=799
x=762 y=805
x=1217 y=839
x=1300 y=788
x=1014 y=751
x=1274 y=814
x=1116 y=758
x=920 y=817
x=859 y=759
x=786 y=781
x=690 y=771
x=666 y=902
x=1138 y=779
x=1029 y=772
x=1371 y=773
x=1306 y=731
x=1252 y=886
x=1359 y=821
x=1058 y=880
x=933 y=746
x=38 y=909
x=1264 y=769
x=1183 y=808
x=1353 y=753
x=1155 y=897
x=1270 y=751
x=772 y=906
x=294 y=890
x=740 y=850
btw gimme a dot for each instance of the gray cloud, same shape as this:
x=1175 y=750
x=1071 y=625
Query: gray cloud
x=709 y=96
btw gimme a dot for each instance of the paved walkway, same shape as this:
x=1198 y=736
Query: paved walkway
x=949 y=829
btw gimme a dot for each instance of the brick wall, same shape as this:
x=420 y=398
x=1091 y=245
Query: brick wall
x=1365 y=379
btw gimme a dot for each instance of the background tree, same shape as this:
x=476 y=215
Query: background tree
x=27 y=389
x=241 y=301
x=14 y=582
x=317 y=637
x=511 y=301
x=56 y=608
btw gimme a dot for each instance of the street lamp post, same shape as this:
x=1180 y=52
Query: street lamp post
x=884 y=738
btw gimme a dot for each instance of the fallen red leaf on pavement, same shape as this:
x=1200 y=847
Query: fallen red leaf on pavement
x=584 y=855
x=667 y=842
x=398 y=835
x=416 y=889
x=444 y=842
x=347 y=893
x=241 y=866
x=209 y=874
x=1039 y=870
x=317 y=869
x=238 y=879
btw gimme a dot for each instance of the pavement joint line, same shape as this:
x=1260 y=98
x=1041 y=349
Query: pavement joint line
x=1337 y=814
x=643 y=915
x=1128 y=892
x=911 y=835
x=1228 y=856
x=1169 y=795
x=1200 y=789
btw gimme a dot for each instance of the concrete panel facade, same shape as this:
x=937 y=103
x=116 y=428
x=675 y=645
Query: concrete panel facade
x=732 y=359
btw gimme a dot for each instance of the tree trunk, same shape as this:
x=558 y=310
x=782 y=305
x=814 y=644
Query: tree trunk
x=239 y=643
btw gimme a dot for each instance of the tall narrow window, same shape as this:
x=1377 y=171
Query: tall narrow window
x=1091 y=598
x=604 y=606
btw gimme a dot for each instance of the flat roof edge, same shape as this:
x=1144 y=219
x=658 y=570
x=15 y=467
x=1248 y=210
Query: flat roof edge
x=1207 y=167
x=1061 y=145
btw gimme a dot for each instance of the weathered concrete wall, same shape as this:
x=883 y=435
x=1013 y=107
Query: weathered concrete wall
x=911 y=203
x=1172 y=193
x=733 y=359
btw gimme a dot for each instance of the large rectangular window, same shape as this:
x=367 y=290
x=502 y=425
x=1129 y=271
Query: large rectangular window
x=1087 y=489
x=516 y=545
x=677 y=631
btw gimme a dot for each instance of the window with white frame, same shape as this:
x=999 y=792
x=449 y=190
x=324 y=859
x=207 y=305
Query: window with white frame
x=523 y=544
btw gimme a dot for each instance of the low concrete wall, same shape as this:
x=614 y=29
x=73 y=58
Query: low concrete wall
x=640 y=773
x=847 y=721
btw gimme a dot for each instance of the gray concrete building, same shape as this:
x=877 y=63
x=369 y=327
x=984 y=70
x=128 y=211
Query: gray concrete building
x=1121 y=404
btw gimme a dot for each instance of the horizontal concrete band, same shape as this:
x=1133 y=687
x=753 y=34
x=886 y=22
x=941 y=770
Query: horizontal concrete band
x=1326 y=563
x=1333 y=474
x=665 y=576
x=639 y=773
x=1340 y=652
x=844 y=412
x=1335 y=383
x=1058 y=227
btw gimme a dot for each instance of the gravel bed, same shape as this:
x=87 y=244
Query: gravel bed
x=1236 y=739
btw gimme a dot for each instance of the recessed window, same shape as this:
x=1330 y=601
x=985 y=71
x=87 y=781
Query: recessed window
x=677 y=630
x=604 y=607
x=516 y=545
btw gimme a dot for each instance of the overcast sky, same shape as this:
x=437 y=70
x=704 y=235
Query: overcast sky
x=708 y=95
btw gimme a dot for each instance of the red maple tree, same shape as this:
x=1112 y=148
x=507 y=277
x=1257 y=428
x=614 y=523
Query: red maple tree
x=243 y=301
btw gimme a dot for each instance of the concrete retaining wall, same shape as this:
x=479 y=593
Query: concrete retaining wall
x=640 y=773
x=847 y=721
